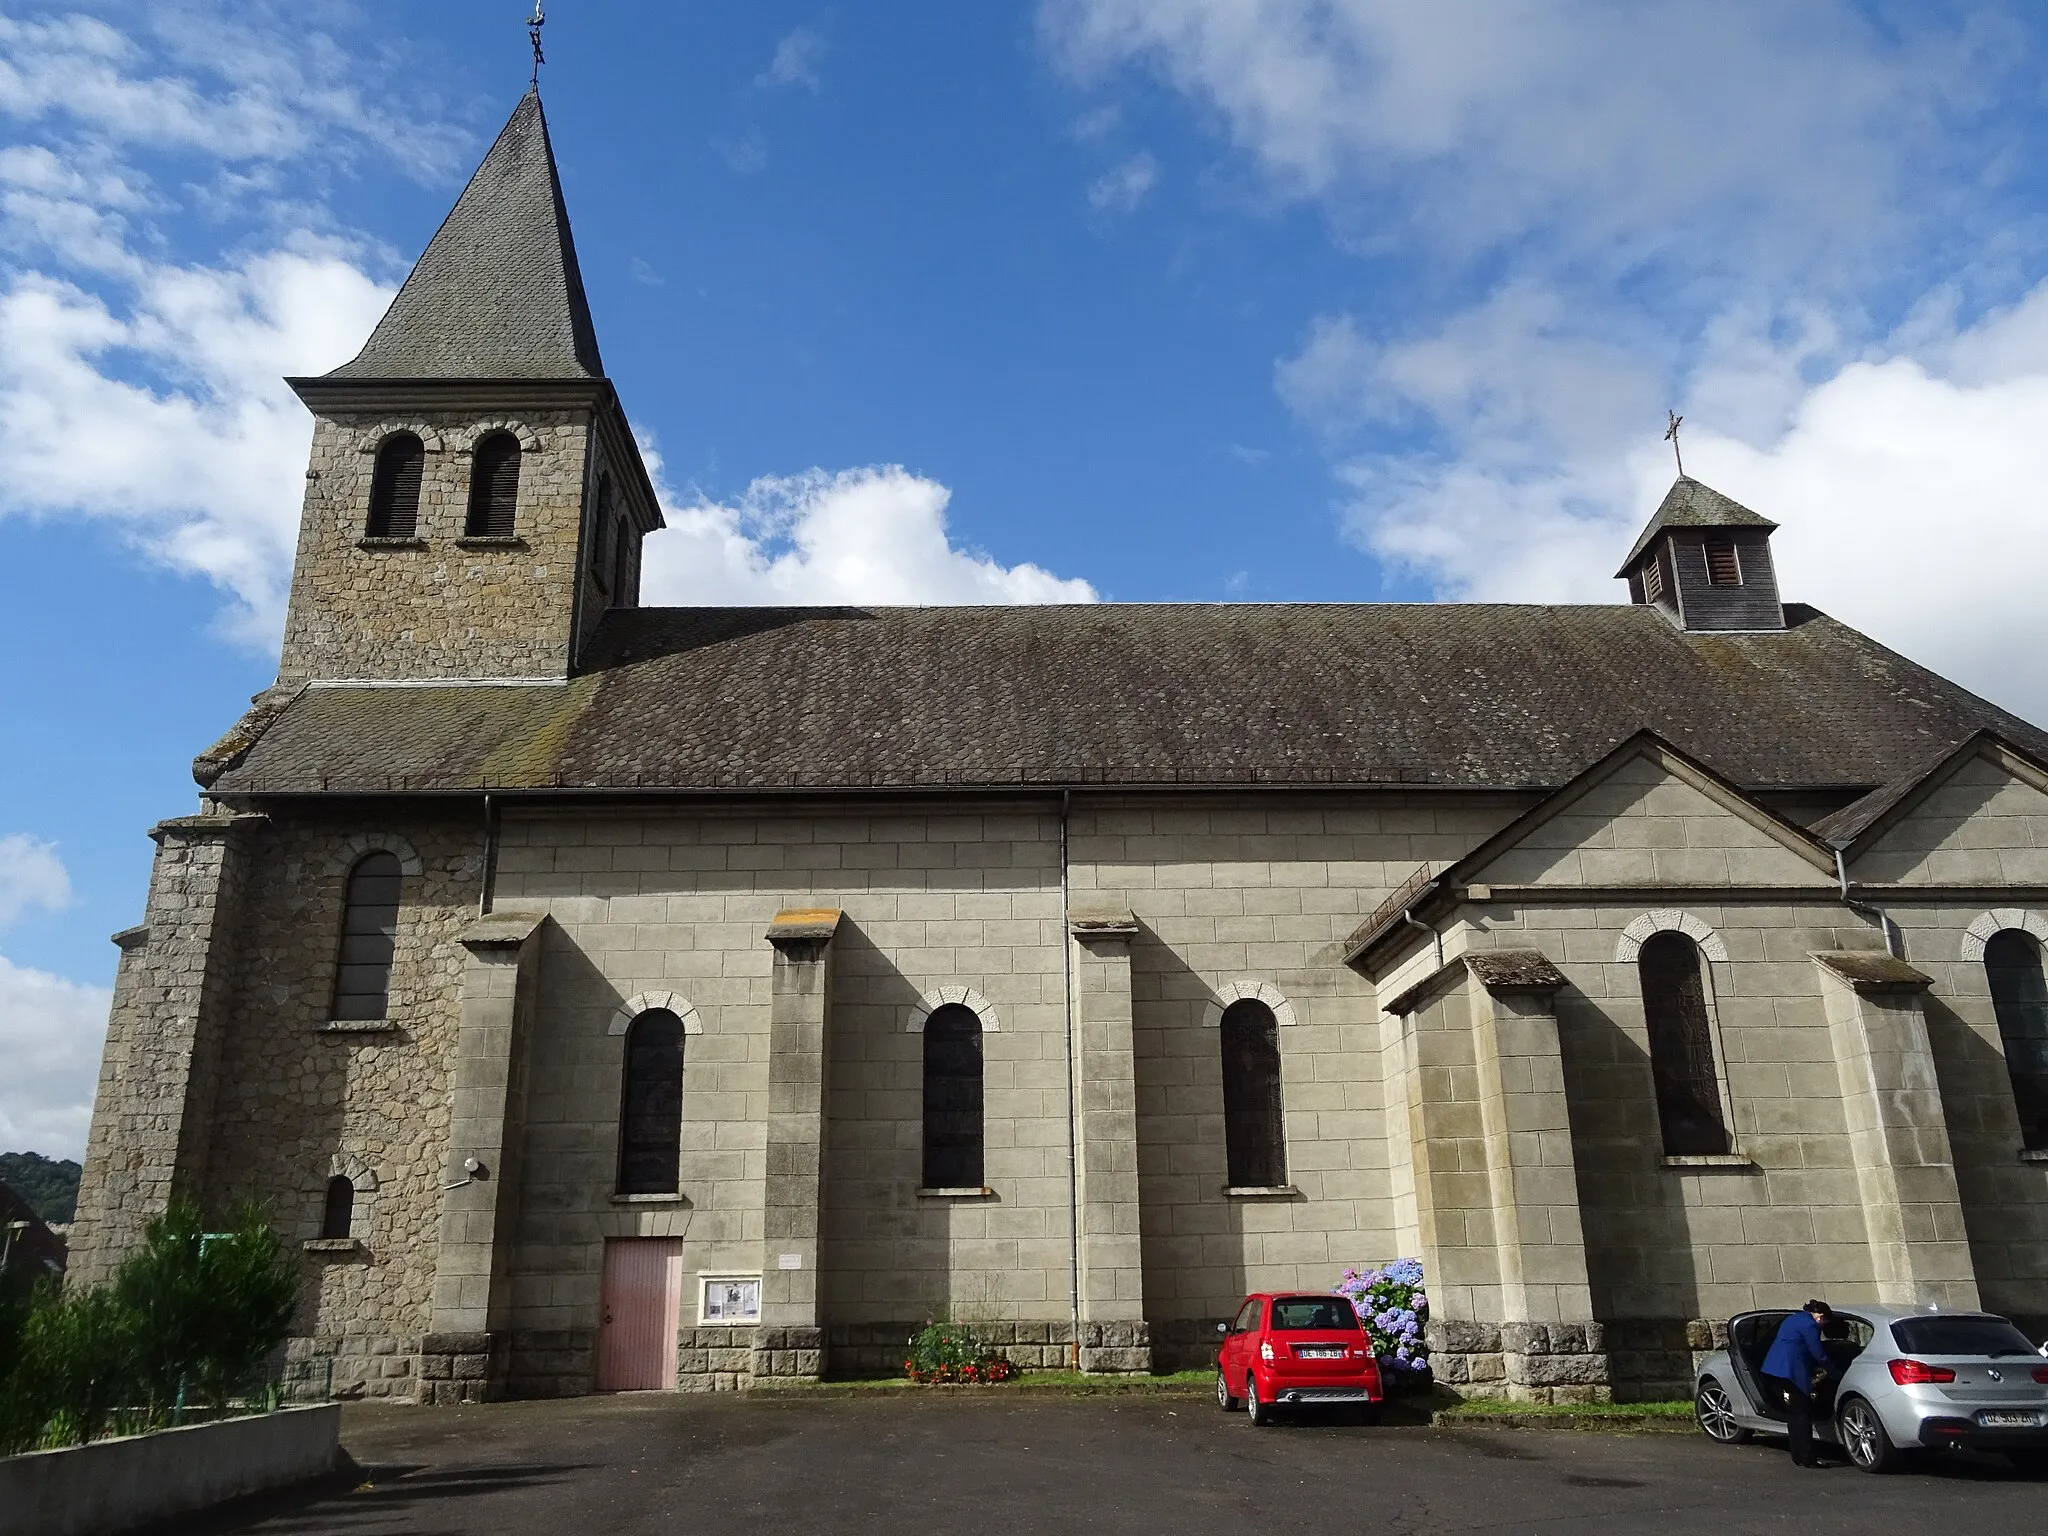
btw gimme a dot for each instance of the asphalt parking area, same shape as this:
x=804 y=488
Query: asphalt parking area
x=962 y=1461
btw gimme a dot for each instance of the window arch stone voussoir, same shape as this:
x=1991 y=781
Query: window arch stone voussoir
x=374 y=438
x=352 y=851
x=1991 y=924
x=624 y=1015
x=940 y=997
x=1237 y=991
x=1668 y=920
x=530 y=441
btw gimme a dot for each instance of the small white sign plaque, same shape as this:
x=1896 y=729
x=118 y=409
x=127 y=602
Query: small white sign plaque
x=790 y=1261
x=729 y=1299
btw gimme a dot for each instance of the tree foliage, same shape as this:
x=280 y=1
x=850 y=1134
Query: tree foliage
x=49 y=1185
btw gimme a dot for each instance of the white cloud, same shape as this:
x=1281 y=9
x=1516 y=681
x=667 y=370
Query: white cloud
x=50 y=1028
x=50 y=1036
x=874 y=535
x=31 y=875
x=796 y=60
x=1121 y=188
x=1590 y=119
x=1906 y=482
x=169 y=418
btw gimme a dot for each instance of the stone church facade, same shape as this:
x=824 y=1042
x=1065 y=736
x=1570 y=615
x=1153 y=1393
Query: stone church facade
x=608 y=996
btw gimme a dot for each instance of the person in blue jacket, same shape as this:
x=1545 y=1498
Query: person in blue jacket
x=1795 y=1355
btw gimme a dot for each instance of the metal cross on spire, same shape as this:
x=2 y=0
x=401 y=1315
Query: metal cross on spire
x=1671 y=437
x=533 y=25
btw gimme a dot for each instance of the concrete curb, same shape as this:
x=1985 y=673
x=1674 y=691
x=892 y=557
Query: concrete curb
x=1611 y=1423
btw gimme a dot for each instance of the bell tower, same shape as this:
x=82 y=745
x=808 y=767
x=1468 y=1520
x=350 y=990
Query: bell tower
x=475 y=500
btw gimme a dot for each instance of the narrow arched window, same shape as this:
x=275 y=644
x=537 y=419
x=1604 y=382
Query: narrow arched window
x=1681 y=1047
x=395 y=488
x=622 y=568
x=369 y=937
x=2012 y=964
x=338 y=1217
x=651 y=1106
x=494 y=488
x=1254 y=1128
x=952 y=1098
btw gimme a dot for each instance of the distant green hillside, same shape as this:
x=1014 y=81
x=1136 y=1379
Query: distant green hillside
x=49 y=1186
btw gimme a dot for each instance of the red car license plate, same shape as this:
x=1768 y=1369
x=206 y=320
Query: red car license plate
x=1310 y=1352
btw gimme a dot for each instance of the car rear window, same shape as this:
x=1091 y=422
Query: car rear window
x=1960 y=1336
x=1298 y=1314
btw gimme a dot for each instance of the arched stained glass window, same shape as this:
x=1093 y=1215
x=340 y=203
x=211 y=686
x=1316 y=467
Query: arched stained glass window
x=1254 y=1127
x=338 y=1216
x=395 y=488
x=952 y=1098
x=651 y=1106
x=494 y=488
x=1681 y=1047
x=2012 y=964
x=369 y=938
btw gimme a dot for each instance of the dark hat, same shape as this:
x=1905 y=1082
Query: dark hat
x=1818 y=1306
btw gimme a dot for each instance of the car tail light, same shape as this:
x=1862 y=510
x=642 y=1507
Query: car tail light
x=1911 y=1373
x=1266 y=1350
x=2041 y=1374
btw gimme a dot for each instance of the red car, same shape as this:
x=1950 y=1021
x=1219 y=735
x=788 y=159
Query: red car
x=1288 y=1350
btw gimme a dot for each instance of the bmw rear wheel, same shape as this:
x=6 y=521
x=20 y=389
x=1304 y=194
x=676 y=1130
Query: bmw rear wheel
x=1716 y=1414
x=1224 y=1400
x=1863 y=1438
x=1254 y=1408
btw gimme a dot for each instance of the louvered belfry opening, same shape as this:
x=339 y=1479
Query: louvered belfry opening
x=369 y=938
x=494 y=488
x=651 y=1106
x=1681 y=1047
x=601 y=535
x=1254 y=1130
x=1724 y=565
x=338 y=1216
x=952 y=1098
x=395 y=488
x=2019 y=996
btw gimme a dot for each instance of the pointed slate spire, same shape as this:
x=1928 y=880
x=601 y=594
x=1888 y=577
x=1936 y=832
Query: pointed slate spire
x=497 y=295
x=1689 y=504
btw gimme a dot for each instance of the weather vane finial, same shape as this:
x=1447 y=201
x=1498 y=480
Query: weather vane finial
x=1671 y=437
x=533 y=25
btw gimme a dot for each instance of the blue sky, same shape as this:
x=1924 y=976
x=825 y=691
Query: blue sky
x=1129 y=299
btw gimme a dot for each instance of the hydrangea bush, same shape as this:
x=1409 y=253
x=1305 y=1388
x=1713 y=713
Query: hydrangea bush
x=1394 y=1308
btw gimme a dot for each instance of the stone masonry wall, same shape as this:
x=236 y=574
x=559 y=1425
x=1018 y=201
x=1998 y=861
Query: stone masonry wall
x=438 y=605
x=301 y=1100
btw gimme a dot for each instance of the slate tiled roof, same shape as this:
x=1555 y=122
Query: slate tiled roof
x=1458 y=695
x=497 y=293
x=1689 y=504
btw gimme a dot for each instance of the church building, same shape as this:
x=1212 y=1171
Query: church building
x=604 y=996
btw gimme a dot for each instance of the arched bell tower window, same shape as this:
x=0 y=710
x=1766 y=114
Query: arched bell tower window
x=1681 y=1046
x=494 y=488
x=1254 y=1127
x=953 y=1098
x=338 y=1215
x=395 y=488
x=369 y=938
x=2012 y=964
x=651 y=1106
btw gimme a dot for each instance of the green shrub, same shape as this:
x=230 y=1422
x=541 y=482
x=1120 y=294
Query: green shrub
x=209 y=1307
x=190 y=1317
x=74 y=1368
x=953 y=1352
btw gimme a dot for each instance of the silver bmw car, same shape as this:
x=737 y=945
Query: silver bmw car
x=1898 y=1381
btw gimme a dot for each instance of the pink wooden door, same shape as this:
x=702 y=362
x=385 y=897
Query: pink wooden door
x=643 y=1305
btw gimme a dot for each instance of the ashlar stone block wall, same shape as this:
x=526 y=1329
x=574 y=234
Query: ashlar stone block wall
x=438 y=605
